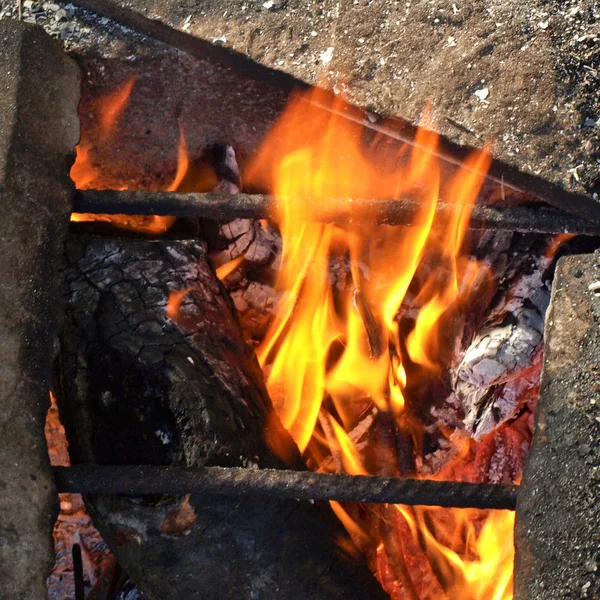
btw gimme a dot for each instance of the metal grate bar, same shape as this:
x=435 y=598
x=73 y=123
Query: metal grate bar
x=221 y=207
x=300 y=485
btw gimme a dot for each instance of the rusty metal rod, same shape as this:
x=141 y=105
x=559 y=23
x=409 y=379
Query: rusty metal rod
x=78 y=572
x=221 y=207
x=301 y=485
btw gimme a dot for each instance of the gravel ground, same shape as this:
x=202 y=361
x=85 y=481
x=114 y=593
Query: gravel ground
x=81 y=32
x=524 y=74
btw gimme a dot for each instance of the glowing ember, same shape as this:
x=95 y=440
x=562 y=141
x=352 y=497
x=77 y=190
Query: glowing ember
x=332 y=351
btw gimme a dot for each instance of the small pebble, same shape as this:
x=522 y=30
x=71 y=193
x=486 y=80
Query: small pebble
x=482 y=94
x=595 y=287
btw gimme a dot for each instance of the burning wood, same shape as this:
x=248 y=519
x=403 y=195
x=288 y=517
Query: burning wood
x=139 y=388
x=361 y=329
x=500 y=369
x=329 y=351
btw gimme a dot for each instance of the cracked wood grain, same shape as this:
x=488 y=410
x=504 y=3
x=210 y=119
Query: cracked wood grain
x=139 y=388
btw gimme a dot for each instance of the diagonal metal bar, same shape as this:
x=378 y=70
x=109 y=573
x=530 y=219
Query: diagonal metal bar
x=221 y=207
x=300 y=485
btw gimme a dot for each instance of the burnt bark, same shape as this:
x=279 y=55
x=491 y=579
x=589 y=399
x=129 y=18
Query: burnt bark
x=139 y=388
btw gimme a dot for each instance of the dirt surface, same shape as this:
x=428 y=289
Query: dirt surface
x=557 y=534
x=207 y=105
x=521 y=74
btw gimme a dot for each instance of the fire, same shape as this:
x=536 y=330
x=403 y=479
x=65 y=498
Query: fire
x=337 y=347
x=226 y=269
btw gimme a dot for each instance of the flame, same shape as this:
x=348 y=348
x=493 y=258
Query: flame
x=226 y=269
x=113 y=106
x=331 y=350
x=108 y=109
x=174 y=301
x=555 y=245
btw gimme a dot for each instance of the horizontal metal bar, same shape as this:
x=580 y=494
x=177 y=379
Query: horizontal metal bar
x=221 y=207
x=300 y=485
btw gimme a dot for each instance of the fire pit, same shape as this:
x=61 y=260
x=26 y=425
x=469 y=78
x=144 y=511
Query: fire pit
x=399 y=328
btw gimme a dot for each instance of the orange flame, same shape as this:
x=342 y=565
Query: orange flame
x=113 y=106
x=174 y=301
x=83 y=172
x=226 y=269
x=332 y=349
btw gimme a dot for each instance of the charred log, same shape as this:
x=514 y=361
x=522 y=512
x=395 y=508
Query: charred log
x=138 y=388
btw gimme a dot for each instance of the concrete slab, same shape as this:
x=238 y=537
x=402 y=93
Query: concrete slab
x=557 y=534
x=39 y=92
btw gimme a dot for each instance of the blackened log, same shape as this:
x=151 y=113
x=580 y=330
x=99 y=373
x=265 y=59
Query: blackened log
x=39 y=93
x=557 y=530
x=139 y=388
x=223 y=207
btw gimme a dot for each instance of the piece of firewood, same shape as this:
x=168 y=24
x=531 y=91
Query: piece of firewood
x=136 y=387
x=500 y=368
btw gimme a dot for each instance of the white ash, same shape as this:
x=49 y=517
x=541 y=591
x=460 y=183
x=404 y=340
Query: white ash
x=501 y=365
x=488 y=408
x=450 y=413
x=500 y=351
